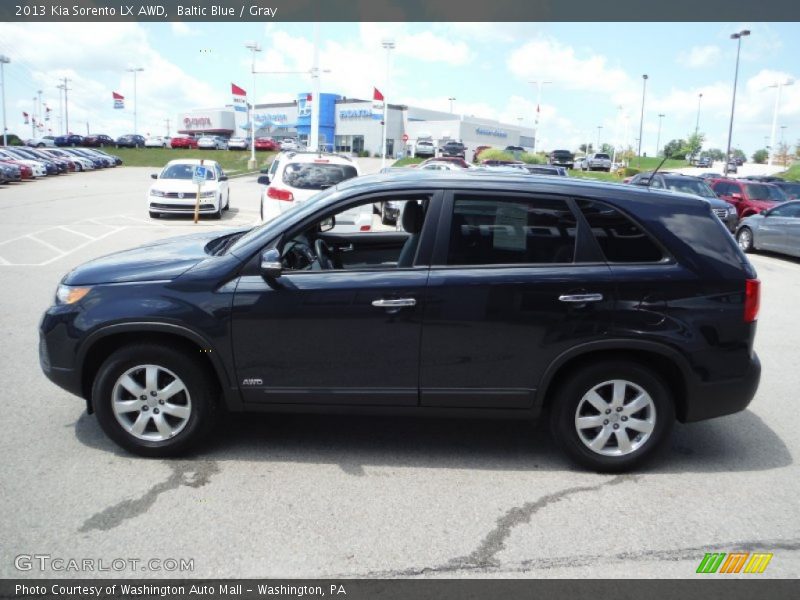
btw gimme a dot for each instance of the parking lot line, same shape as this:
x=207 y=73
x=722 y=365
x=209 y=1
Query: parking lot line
x=47 y=244
x=76 y=232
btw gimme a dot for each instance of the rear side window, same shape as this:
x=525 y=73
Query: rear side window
x=502 y=231
x=620 y=239
x=316 y=176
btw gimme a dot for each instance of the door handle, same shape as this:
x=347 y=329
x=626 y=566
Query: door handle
x=581 y=298
x=394 y=302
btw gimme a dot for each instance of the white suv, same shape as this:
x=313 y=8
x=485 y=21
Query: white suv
x=294 y=177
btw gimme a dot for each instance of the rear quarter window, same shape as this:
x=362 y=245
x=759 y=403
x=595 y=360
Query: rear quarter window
x=620 y=239
x=316 y=176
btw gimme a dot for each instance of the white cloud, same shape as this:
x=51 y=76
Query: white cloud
x=700 y=56
x=181 y=29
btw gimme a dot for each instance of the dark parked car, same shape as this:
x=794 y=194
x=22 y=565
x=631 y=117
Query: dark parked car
x=454 y=149
x=98 y=141
x=705 y=162
x=502 y=295
x=130 y=141
x=764 y=178
x=69 y=140
x=790 y=188
x=563 y=158
x=687 y=184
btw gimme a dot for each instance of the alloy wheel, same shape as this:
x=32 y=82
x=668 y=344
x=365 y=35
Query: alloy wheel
x=615 y=418
x=151 y=403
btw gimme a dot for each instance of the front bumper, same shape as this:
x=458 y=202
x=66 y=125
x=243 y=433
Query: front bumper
x=707 y=400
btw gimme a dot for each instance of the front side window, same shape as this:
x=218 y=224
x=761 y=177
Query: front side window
x=791 y=210
x=316 y=176
x=620 y=239
x=690 y=186
x=501 y=231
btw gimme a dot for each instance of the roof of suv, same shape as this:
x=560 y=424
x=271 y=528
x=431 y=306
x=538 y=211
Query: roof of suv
x=310 y=157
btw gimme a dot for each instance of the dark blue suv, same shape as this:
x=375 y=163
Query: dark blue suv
x=611 y=309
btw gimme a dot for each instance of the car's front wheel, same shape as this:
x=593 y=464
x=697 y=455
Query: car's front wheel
x=745 y=239
x=154 y=400
x=611 y=416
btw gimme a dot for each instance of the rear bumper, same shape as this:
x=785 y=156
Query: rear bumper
x=717 y=399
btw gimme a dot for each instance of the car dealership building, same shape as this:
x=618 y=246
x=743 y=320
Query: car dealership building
x=351 y=125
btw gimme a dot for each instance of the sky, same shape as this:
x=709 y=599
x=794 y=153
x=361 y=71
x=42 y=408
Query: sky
x=594 y=69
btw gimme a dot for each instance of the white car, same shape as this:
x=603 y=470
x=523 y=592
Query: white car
x=37 y=167
x=212 y=142
x=295 y=177
x=289 y=144
x=238 y=143
x=174 y=192
x=42 y=142
x=424 y=148
x=156 y=142
x=441 y=166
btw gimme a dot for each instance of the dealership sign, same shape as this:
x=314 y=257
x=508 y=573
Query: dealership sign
x=196 y=122
x=493 y=132
x=361 y=113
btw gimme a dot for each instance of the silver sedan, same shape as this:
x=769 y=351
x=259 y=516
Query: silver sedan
x=776 y=229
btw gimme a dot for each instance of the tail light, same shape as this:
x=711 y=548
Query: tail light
x=752 y=299
x=366 y=227
x=279 y=194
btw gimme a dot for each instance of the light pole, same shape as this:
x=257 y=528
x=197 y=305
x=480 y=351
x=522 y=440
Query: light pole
x=738 y=37
x=253 y=47
x=697 y=122
x=451 y=99
x=780 y=85
x=388 y=45
x=135 y=70
x=539 y=83
x=65 y=87
x=641 y=118
x=599 y=129
x=4 y=60
x=658 y=139
x=615 y=139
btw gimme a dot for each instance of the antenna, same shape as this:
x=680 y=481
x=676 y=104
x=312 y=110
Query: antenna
x=653 y=174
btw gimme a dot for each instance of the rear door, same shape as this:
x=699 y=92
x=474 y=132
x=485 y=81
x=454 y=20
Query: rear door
x=512 y=286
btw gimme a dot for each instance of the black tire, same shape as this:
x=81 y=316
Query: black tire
x=228 y=201
x=202 y=389
x=218 y=213
x=744 y=237
x=154 y=215
x=568 y=398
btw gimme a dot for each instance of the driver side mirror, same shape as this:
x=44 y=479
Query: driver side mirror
x=223 y=178
x=736 y=196
x=263 y=180
x=271 y=265
x=327 y=224
x=154 y=176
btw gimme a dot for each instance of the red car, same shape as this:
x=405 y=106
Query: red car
x=25 y=172
x=265 y=143
x=749 y=197
x=183 y=142
x=456 y=160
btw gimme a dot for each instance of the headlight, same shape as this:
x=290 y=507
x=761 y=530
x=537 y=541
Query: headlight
x=207 y=194
x=731 y=210
x=67 y=294
x=157 y=193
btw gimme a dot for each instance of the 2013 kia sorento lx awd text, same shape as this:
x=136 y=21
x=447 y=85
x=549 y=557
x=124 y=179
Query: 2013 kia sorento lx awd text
x=613 y=310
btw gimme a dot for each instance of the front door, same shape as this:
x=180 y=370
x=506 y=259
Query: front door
x=347 y=334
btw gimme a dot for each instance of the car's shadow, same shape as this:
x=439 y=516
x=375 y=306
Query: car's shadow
x=741 y=442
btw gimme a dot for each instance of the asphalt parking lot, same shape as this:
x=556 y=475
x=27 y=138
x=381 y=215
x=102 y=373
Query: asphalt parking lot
x=300 y=496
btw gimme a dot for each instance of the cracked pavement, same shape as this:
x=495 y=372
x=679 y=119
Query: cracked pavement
x=323 y=496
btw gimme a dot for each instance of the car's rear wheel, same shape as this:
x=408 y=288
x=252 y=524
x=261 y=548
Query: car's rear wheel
x=611 y=416
x=745 y=239
x=154 y=400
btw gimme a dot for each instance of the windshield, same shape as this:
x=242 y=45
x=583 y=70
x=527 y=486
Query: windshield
x=690 y=186
x=183 y=171
x=316 y=176
x=299 y=210
x=759 y=191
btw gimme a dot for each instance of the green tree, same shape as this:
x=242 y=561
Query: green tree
x=674 y=147
x=694 y=144
x=760 y=156
x=586 y=150
x=738 y=153
x=714 y=154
